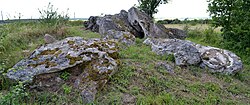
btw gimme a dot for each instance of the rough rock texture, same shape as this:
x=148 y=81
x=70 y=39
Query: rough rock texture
x=219 y=60
x=121 y=36
x=143 y=23
x=91 y=24
x=166 y=65
x=177 y=33
x=49 y=39
x=136 y=22
x=185 y=52
x=189 y=53
x=116 y=22
x=89 y=62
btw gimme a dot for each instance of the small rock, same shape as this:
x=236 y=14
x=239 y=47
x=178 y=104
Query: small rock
x=169 y=68
x=49 y=39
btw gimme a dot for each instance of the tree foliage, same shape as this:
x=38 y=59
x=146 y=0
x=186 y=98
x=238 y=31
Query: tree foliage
x=150 y=6
x=234 y=17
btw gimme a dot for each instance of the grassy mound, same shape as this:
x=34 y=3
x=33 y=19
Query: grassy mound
x=139 y=80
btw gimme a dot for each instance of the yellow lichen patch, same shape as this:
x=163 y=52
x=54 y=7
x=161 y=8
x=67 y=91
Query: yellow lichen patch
x=49 y=52
x=58 y=52
x=35 y=58
x=73 y=60
x=114 y=55
x=70 y=42
x=95 y=45
x=47 y=64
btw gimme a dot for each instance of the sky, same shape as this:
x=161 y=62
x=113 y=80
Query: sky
x=86 y=8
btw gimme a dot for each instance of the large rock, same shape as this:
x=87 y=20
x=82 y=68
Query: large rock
x=134 y=21
x=189 y=53
x=219 y=60
x=91 y=24
x=120 y=36
x=177 y=33
x=143 y=23
x=117 y=22
x=185 y=52
x=89 y=63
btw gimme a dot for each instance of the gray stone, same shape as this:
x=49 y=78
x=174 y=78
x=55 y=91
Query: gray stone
x=144 y=24
x=121 y=36
x=49 y=39
x=189 y=53
x=89 y=62
x=91 y=24
x=134 y=21
x=185 y=52
x=177 y=33
x=166 y=65
x=219 y=60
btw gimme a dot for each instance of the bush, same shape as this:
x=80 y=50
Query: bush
x=233 y=16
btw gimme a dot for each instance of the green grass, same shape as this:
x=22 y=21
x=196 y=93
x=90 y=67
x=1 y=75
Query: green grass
x=139 y=80
x=19 y=39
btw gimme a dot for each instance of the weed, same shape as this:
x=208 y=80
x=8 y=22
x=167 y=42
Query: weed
x=65 y=75
x=51 y=16
x=66 y=89
x=171 y=58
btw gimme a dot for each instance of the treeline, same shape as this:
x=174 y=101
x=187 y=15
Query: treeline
x=185 y=21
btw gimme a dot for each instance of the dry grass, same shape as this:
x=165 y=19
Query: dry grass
x=200 y=27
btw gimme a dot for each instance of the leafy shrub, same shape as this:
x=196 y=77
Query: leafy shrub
x=233 y=16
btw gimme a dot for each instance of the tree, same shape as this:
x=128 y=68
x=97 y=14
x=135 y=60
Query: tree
x=234 y=17
x=149 y=6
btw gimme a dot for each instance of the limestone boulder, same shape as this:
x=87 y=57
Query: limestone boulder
x=121 y=36
x=177 y=33
x=134 y=21
x=144 y=24
x=185 y=52
x=88 y=64
x=189 y=53
x=91 y=24
x=219 y=60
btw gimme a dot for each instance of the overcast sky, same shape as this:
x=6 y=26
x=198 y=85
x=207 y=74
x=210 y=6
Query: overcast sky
x=86 y=8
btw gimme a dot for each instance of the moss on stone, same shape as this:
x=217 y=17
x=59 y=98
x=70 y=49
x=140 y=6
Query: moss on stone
x=49 y=52
x=70 y=42
x=58 y=52
x=73 y=60
x=47 y=64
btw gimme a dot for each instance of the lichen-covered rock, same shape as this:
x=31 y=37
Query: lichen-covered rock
x=117 y=22
x=88 y=62
x=185 y=52
x=189 y=53
x=144 y=24
x=219 y=60
x=121 y=36
x=134 y=21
